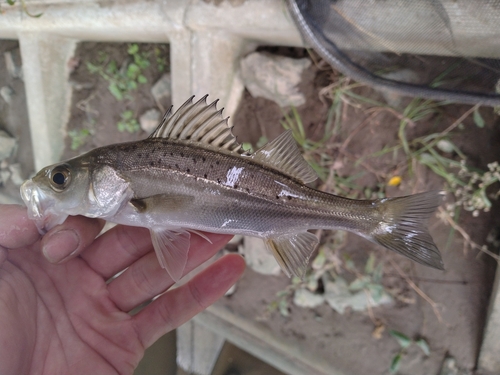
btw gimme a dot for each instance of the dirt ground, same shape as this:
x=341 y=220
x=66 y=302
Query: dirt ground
x=460 y=294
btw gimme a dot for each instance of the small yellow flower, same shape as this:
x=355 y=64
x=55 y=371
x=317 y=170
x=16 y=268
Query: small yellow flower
x=394 y=181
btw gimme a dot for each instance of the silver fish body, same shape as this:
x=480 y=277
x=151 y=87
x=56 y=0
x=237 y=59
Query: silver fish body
x=190 y=175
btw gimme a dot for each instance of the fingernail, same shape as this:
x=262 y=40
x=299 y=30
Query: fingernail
x=61 y=245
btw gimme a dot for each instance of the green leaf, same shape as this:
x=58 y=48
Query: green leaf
x=359 y=283
x=283 y=308
x=376 y=291
x=262 y=141
x=133 y=49
x=370 y=264
x=478 y=119
x=11 y=2
x=378 y=273
x=403 y=340
x=396 y=361
x=247 y=146
x=142 y=79
x=127 y=115
x=319 y=261
x=92 y=68
x=115 y=91
x=424 y=346
x=132 y=71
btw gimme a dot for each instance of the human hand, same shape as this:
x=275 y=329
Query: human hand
x=64 y=318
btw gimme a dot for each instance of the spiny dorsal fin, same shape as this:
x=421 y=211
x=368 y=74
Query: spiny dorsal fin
x=283 y=154
x=198 y=122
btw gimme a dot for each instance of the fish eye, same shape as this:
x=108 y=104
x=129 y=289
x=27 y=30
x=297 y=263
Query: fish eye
x=60 y=177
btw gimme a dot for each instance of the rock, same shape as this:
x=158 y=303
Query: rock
x=450 y=368
x=14 y=70
x=7 y=145
x=4 y=176
x=258 y=257
x=162 y=91
x=149 y=120
x=339 y=297
x=15 y=170
x=403 y=75
x=305 y=298
x=6 y=93
x=274 y=77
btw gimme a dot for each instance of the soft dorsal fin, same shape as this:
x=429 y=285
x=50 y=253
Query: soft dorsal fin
x=284 y=155
x=198 y=122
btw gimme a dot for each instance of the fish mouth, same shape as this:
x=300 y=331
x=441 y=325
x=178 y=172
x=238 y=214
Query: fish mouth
x=40 y=207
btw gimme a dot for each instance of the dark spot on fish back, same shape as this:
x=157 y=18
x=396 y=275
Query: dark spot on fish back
x=177 y=166
x=182 y=155
x=218 y=180
x=194 y=160
x=289 y=197
x=277 y=197
x=171 y=154
x=217 y=162
x=203 y=159
x=205 y=175
x=152 y=163
x=188 y=170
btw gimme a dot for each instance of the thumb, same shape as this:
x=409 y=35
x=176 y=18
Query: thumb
x=70 y=238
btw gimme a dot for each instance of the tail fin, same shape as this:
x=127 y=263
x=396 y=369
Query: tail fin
x=403 y=230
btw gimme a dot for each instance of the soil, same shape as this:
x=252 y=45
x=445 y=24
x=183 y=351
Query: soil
x=461 y=292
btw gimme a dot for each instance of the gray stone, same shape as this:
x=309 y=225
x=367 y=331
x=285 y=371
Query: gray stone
x=162 y=90
x=16 y=178
x=339 y=297
x=6 y=93
x=258 y=257
x=7 y=145
x=403 y=75
x=4 y=176
x=274 y=77
x=450 y=368
x=306 y=298
x=14 y=70
x=149 y=120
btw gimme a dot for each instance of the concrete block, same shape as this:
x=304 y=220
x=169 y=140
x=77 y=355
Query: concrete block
x=197 y=348
x=48 y=93
x=488 y=357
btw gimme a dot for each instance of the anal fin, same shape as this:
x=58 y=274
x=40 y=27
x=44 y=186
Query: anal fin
x=171 y=247
x=293 y=251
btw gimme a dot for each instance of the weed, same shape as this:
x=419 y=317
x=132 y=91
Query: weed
x=24 y=8
x=405 y=342
x=126 y=78
x=78 y=137
x=128 y=122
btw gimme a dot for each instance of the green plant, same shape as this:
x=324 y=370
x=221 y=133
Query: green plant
x=128 y=122
x=125 y=79
x=405 y=342
x=78 y=137
x=24 y=7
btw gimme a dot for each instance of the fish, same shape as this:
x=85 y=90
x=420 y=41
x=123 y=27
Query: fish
x=192 y=176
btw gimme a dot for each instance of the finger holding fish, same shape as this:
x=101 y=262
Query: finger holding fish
x=145 y=278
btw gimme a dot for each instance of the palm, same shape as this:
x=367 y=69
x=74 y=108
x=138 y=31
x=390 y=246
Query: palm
x=67 y=319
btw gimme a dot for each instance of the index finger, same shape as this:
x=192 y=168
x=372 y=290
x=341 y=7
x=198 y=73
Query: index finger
x=16 y=229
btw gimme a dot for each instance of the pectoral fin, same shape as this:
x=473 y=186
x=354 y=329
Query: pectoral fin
x=171 y=247
x=292 y=251
x=162 y=203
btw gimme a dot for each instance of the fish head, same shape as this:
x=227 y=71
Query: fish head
x=57 y=191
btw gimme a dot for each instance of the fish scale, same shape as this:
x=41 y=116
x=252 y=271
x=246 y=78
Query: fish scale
x=191 y=175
